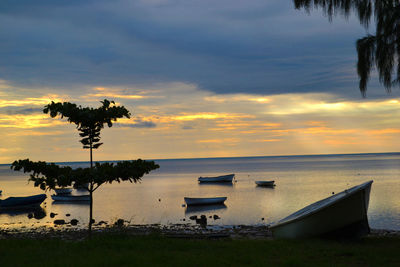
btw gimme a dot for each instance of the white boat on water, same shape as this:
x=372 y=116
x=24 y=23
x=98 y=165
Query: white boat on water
x=70 y=198
x=342 y=213
x=217 y=179
x=204 y=200
x=265 y=183
x=63 y=191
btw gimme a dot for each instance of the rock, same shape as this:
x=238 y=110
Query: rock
x=93 y=221
x=202 y=221
x=102 y=222
x=194 y=217
x=74 y=222
x=52 y=215
x=119 y=223
x=216 y=217
x=262 y=219
x=183 y=219
x=183 y=205
x=159 y=199
x=210 y=216
x=67 y=214
x=39 y=214
x=59 y=222
x=30 y=215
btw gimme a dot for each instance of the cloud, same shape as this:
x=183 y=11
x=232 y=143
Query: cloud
x=24 y=111
x=259 y=47
x=138 y=123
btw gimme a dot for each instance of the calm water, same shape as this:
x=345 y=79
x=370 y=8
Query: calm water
x=300 y=181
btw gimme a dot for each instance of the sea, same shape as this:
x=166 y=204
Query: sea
x=159 y=197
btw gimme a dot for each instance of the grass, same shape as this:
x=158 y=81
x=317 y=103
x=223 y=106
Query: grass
x=155 y=250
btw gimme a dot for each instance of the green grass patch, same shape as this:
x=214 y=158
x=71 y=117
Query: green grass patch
x=105 y=250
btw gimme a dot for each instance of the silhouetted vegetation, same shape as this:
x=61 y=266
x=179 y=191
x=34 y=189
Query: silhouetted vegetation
x=381 y=49
x=89 y=123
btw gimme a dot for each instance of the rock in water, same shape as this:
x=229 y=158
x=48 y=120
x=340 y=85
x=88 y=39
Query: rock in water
x=59 y=222
x=74 y=222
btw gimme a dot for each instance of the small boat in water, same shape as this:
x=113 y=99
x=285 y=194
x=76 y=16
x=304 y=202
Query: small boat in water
x=70 y=198
x=217 y=179
x=343 y=214
x=204 y=200
x=265 y=183
x=20 y=202
x=63 y=191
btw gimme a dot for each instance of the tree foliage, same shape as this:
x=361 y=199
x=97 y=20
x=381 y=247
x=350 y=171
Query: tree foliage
x=89 y=121
x=49 y=175
x=381 y=50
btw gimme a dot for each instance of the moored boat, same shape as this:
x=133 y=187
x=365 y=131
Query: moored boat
x=204 y=200
x=63 y=191
x=265 y=183
x=344 y=213
x=71 y=198
x=217 y=179
x=18 y=202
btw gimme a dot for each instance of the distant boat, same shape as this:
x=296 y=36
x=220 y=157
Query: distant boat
x=204 y=200
x=63 y=191
x=71 y=198
x=344 y=213
x=217 y=179
x=20 y=202
x=265 y=183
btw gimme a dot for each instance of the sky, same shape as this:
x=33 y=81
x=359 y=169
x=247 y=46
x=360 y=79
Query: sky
x=201 y=79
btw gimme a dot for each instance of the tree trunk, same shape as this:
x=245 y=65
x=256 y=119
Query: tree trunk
x=91 y=210
x=91 y=194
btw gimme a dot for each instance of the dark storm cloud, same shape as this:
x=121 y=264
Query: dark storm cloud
x=261 y=47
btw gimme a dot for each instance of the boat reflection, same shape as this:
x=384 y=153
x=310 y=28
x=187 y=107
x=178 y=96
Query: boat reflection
x=32 y=212
x=80 y=202
x=204 y=208
x=216 y=184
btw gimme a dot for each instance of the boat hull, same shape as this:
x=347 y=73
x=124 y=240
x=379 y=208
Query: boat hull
x=204 y=201
x=265 y=183
x=218 y=179
x=19 y=202
x=70 y=198
x=347 y=211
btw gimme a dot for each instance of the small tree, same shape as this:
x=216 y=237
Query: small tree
x=89 y=123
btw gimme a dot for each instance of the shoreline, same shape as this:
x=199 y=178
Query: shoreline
x=187 y=231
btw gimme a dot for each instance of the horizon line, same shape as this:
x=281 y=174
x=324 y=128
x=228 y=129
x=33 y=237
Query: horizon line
x=293 y=155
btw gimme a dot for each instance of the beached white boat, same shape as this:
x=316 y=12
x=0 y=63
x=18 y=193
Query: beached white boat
x=63 y=191
x=217 y=179
x=17 y=202
x=344 y=213
x=70 y=197
x=204 y=200
x=265 y=183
